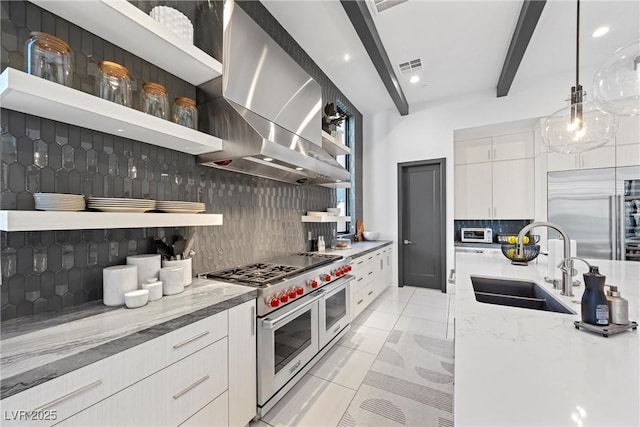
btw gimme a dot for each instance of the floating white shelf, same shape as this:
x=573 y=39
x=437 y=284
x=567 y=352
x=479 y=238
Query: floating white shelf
x=29 y=94
x=325 y=218
x=332 y=146
x=50 y=220
x=337 y=185
x=128 y=27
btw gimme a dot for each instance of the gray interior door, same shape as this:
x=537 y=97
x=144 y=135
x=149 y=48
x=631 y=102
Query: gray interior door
x=421 y=223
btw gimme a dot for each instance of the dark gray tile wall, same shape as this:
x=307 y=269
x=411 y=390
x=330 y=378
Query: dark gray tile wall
x=52 y=270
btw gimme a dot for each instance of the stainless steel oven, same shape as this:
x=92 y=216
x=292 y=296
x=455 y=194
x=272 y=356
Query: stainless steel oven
x=335 y=310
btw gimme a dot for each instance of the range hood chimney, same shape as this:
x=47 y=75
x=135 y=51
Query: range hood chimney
x=266 y=109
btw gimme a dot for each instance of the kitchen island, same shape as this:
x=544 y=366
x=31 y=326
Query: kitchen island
x=516 y=366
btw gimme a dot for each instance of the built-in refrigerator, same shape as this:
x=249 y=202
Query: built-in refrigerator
x=599 y=208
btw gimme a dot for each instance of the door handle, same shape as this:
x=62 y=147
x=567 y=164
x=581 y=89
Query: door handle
x=407 y=242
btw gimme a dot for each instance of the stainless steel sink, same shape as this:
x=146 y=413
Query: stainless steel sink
x=516 y=293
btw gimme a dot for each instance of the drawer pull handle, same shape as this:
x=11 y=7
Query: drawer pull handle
x=370 y=273
x=360 y=302
x=360 y=279
x=191 y=387
x=370 y=292
x=336 y=329
x=370 y=257
x=360 y=262
x=188 y=340
x=68 y=395
x=295 y=367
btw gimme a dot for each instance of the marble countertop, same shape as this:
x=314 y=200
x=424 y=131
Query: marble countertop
x=359 y=248
x=516 y=367
x=45 y=347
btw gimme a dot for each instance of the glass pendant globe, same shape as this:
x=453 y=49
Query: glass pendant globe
x=616 y=85
x=562 y=136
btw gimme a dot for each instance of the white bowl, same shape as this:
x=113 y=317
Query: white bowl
x=371 y=235
x=154 y=288
x=333 y=211
x=135 y=299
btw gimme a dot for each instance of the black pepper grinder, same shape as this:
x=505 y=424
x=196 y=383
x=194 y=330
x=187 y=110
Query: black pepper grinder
x=594 y=302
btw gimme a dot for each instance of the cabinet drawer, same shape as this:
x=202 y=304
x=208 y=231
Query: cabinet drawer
x=362 y=277
x=166 y=398
x=214 y=414
x=363 y=298
x=77 y=390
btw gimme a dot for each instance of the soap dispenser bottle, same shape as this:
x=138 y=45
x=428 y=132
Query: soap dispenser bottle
x=618 y=307
x=595 y=310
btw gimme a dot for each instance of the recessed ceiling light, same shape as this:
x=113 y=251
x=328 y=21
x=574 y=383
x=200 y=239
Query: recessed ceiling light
x=600 y=32
x=414 y=79
x=268 y=159
x=347 y=57
x=120 y=130
x=299 y=169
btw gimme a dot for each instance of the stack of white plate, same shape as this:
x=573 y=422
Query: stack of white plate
x=107 y=204
x=180 y=207
x=175 y=20
x=59 y=202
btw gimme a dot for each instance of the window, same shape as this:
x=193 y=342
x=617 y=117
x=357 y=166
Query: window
x=343 y=195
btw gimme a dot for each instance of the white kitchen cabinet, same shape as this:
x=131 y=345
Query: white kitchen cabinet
x=242 y=364
x=628 y=155
x=472 y=191
x=628 y=130
x=513 y=189
x=602 y=157
x=372 y=275
x=472 y=151
x=512 y=146
x=213 y=415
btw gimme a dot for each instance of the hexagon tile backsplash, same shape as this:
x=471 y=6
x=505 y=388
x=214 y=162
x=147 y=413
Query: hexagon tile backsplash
x=51 y=270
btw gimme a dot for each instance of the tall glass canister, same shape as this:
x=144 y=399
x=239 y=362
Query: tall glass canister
x=154 y=100
x=113 y=83
x=185 y=112
x=49 y=57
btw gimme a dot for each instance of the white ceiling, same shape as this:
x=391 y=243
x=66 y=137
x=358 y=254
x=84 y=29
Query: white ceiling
x=462 y=44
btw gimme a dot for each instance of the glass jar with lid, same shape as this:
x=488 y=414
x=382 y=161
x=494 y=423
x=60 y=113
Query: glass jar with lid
x=155 y=100
x=185 y=112
x=49 y=57
x=113 y=83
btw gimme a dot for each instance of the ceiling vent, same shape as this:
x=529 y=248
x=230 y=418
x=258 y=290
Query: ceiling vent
x=382 y=5
x=409 y=67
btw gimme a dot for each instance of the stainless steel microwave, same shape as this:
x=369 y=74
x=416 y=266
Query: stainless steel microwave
x=479 y=235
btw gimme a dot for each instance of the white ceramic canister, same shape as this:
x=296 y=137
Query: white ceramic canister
x=186 y=268
x=148 y=266
x=154 y=287
x=172 y=280
x=116 y=281
x=135 y=299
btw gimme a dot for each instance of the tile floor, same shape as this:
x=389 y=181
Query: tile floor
x=394 y=367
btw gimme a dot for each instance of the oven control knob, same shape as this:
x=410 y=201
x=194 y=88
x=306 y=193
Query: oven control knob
x=326 y=277
x=313 y=284
x=344 y=270
x=284 y=298
x=299 y=290
x=292 y=293
x=274 y=302
x=337 y=272
x=349 y=268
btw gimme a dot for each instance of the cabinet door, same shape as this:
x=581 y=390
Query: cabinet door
x=472 y=191
x=603 y=157
x=562 y=162
x=472 y=151
x=628 y=155
x=628 y=130
x=213 y=415
x=513 y=189
x=514 y=146
x=242 y=363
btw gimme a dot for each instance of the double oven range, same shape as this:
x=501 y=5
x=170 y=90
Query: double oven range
x=303 y=308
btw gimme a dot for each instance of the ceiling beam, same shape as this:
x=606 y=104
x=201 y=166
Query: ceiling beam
x=527 y=21
x=362 y=21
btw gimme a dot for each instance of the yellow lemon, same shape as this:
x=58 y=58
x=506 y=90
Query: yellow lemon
x=512 y=239
x=525 y=240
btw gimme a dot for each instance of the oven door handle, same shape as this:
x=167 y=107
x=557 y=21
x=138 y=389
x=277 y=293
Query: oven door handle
x=337 y=284
x=274 y=323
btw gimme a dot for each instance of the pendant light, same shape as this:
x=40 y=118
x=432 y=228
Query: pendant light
x=581 y=126
x=616 y=85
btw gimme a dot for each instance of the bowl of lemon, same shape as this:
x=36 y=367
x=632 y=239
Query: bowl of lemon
x=530 y=252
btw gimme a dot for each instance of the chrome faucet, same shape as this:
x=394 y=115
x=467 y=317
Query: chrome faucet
x=567 y=262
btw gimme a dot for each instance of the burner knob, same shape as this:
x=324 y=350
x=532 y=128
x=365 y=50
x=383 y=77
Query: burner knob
x=313 y=284
x=349 y=268
x=337 y=273
x=284 y=298
x=343 y=271
x=326 y=277
x=299 y=290
x=274 y=302
x=292 y=293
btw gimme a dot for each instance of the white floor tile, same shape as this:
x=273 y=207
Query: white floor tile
x=397 y=293
x=387 y=305
x=364 y=338
x=438 y=314
x=377 y=319
x=344 y=366
x=430 y=298
x=258 y=423
x=312 y=402
x=423 y=326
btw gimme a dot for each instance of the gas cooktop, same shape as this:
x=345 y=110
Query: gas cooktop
x=273 y=270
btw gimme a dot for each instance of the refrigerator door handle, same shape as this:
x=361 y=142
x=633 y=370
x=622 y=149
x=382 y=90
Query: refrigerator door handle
x=613 y=228
x=620 y=231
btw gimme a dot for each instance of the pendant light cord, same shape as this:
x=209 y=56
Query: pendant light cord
x=578 y=43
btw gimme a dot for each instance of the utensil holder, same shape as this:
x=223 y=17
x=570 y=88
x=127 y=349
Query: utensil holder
x=185 y=264
x=172 y=280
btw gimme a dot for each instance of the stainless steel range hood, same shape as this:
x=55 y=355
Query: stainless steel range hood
x=267 y=110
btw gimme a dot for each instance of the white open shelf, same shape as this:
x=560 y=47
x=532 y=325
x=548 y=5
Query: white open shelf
x=50 y=220
x=29 y=94
x=332 y=146
x=326 y=218
x=337 y=185
x=128 y=27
